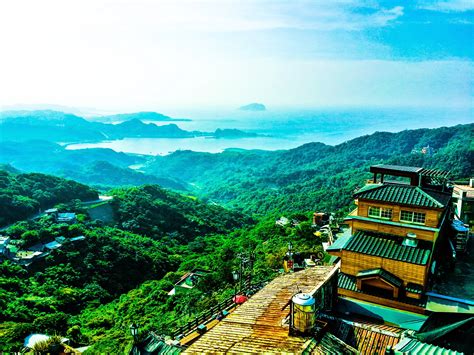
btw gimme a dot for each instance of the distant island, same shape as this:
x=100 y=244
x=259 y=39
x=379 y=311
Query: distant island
x=142 y=116
x=55 y=126
x=253 y=107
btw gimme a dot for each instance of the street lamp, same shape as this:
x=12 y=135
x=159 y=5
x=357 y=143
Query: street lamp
x=290 y=256
x=134 y=331
x=235 y=276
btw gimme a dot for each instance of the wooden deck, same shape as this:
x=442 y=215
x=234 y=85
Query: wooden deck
x=258 y=326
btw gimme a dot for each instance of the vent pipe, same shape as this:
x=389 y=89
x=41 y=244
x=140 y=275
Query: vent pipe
x=410 y=240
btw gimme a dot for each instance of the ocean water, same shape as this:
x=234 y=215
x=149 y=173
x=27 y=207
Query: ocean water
x=286 y=128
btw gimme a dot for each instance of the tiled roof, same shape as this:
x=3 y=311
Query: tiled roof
x=347 y=282
x=387 y=247
x=339 y=243
x=413 y=347
x=396 y=281
x=403 y=195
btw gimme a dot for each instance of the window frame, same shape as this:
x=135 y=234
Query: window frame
x=413 y=220
x=381 y=211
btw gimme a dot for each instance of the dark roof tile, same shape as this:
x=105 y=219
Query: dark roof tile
x=387 y=246
x=404 y=195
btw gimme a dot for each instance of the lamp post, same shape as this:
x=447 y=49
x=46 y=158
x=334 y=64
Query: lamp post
x=290 y=255
x=134 y=331
x=235 y=276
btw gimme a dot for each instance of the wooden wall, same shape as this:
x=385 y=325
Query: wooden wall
x=389 y=229
x=352 y=263
x=432 y=216
x=382 y=301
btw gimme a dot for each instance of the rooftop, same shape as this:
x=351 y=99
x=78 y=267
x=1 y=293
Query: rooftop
x=392 y=279
x=349 y=282
x=404 y=195
x=411 y=346
x=259 y=324
x=368 y=338
x=408 y=170
x=387 y=246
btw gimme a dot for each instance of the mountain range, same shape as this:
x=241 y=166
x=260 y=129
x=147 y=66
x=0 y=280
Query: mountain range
x=58 y=126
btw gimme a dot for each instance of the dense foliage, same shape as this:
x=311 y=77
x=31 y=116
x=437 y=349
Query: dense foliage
x=109 y=261
x=314 y=176
x=92 y=289
x=22 y=195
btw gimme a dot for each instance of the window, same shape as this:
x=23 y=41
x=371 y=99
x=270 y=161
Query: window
x=380 y=212
x=412 y=217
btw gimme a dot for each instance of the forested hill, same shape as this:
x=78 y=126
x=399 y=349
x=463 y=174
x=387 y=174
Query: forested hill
x=314 y=176
x=157 y=232
x=22 y=195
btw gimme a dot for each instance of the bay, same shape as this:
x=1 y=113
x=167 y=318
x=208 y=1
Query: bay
x=286 y=128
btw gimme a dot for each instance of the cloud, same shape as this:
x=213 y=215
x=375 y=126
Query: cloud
x=448 y=5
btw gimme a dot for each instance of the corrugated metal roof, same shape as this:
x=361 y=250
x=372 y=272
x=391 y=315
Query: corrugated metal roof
x=367 y=338
x=414 y=347
x=387 y=247
x=328 y=345
x=258 y=326
x=404 y=195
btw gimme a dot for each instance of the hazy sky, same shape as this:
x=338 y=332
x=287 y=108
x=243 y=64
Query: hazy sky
x=139 y=54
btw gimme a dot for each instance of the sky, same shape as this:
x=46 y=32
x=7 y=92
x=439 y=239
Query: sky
x=124 y=55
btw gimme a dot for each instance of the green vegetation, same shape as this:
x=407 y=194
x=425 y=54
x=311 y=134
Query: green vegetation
x=314 y=176
x=111 y=260
x=23 y=195
x=91 y=289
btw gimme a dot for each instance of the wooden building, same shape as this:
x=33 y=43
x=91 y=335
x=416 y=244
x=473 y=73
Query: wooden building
x=397 y=231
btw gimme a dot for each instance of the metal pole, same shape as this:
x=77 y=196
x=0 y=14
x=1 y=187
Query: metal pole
x=241 y=272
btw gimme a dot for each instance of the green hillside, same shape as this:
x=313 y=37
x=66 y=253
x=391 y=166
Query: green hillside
x=314 y=176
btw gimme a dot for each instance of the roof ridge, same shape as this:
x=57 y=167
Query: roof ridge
x=431 y=198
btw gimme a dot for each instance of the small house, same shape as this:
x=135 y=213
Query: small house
x=188 y=281
x=53 y=245
x=68 y=217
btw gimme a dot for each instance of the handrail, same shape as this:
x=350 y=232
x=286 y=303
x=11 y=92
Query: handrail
x=210 y=313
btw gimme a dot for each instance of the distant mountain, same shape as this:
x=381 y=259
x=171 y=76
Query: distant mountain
x=142 y=116
x=253 y=107
x=313 y=176
x=64 y=127
x=100 y=167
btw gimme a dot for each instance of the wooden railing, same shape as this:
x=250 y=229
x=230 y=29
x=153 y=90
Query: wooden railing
x=212 y=312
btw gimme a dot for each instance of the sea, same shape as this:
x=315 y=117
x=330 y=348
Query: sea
x=285 y=128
